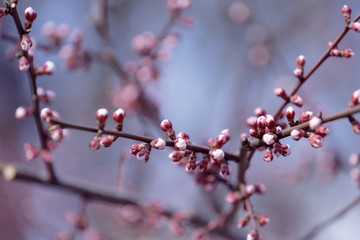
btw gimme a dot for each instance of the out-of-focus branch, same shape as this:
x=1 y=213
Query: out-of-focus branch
x=328 y=222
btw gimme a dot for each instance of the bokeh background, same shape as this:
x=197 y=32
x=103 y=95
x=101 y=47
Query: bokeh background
x=219 y=72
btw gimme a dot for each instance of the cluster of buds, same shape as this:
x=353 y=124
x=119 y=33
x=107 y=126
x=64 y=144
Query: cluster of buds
x=55 y=34
x=48 y=68
x=141 y=151
x=30 y=16
x=45 y=96
x=264 y=127
x=299 y=70
x=316 y=133
x=354 y=161
x=336 y=52
x=55 y=131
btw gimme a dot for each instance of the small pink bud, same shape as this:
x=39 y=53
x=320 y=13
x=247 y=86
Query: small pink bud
x=48 y=68
x=243 y=222
x=57 y=134
x=22 y=112
x=202 y=165
x=190 y=166
x=290 y=115
x=270 y=123
x=31 y=151
x=233 y=197
x=184 y=135
x=176 y=156
x=24 y=64
x=135 y=148
x=356 y=127
x=355 y=26
x=259 y=111
x=101 y=116
x=45 y=113
x=268 y=156
x=347 y=53
x=335 y=52
x=280 y=92
x=261 y=123
x=286 y=150
x=158 y=143
x=119 y=115
x=263 y=220
x=253 y=235
x=297 y=134
x=249 y=190
x=300 y=61
x=298 y=72
x=354 y=159
x=143 y=155
x=316 y=141
x=226 y=132
x=355 y=98
x=297 y=100
x=346 y=12
x=251 y=122
x=322 y=131
x=94 y=145
x=224 y=171
x=165 y=125
x=314 y=122
x=217 y=154
x=180 y=143
x=260 y=188
x=253 y=133
x=269 y=138
x=30 y=14
x=277 y=150
x=106 y=141
x=26 y=43
x=305 y=116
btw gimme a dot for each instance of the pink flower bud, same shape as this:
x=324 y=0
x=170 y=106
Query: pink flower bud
x=224 y=171
x=316 y=141
x=226 y=132
x=202 y=165
x=300 y=61
x=354 y=159
x=135 y=148
x=259 y=111
x=175 y=6
x=119 y=115
x=101 y=116
x=249 y=190
x=314 y=123
x=296 y=134
x=298 y=72
x=47 y=96
x=335 y=52
x=356 y=127
x=280 y=92
x=176 y=156
x=184 y=135
x=269 y=138
x=3 y=12
x=30 y=14
x=253 y=133
x=45 y=113
x=106 y=141
x=158 y=143
x=261 y=123
x=251 y=122
x=94 y=145
x=31 y=151
x=322 y=131
x=217 y=154
x=263 y=220
x=57 y=134
x=347 y=53
x=24 y=64
x=355 y=98
x=143 y=155
x=260 y=188
x=297 y=100
x=243 y=222
x=286 y=150
x=22 y=112
x=346 y=12
x=277 y=150
x=233 y=197
x=305 y=116
x=180 y=143
x=26 y=43
x=190 y=166
x=290 y=115
x=253 y=235
x=165 y=125
x=270 y=123
x=355 y=26
x=48 y=68
x=268 y=156
x=221 y=139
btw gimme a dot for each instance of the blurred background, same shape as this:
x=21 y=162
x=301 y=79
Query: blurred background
x=226 y=64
